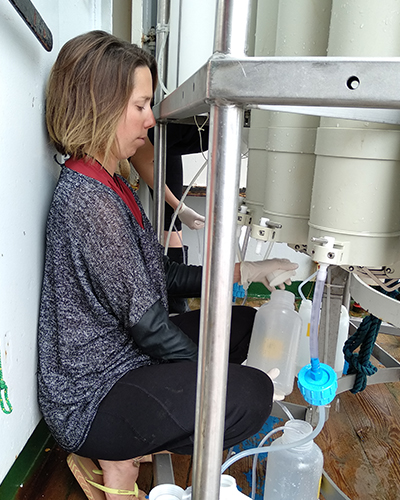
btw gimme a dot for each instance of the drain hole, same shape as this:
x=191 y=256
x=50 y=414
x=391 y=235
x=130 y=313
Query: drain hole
x=353 y=83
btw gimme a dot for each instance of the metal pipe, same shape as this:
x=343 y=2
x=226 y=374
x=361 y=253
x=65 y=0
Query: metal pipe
x=160 y=131
x=233 y=18
x=226 y=123
x=162 y=30
x=160 y=147
x=219 y=257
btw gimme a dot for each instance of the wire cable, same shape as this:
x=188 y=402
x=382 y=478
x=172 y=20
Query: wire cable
x=181 y=203
x=200 y=128
x=162 y=28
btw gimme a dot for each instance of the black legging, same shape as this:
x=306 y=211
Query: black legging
x=152 y=408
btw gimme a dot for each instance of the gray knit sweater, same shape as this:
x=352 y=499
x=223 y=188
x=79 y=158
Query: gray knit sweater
x=102 y=273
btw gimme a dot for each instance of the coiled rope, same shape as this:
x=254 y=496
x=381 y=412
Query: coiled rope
x=364 y=337
x=359 y=363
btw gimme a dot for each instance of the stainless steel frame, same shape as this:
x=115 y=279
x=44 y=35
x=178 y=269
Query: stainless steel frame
x=287 y=81
x=225 y=86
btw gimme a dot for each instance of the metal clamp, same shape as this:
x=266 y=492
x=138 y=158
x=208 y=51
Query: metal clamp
x=327 y=250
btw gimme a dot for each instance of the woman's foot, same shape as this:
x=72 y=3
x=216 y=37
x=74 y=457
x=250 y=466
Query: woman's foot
x=120 y=475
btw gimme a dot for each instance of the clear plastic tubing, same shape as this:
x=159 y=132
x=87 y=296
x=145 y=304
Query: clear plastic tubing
x=315 y=312
x=175 y=215
x=304 y=283
x=269 y=448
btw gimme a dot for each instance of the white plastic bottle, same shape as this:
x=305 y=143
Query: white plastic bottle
x=228 y=490
x=294 y=474
x=275 y=339
x=342 y=337
x=166 y=492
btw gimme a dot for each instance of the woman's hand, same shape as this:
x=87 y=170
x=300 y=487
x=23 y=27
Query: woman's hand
x=273 y=374
x=270 y=272
x=190 y=218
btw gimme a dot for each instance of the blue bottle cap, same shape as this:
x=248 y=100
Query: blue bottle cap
x=317 y=383
x=238 y=292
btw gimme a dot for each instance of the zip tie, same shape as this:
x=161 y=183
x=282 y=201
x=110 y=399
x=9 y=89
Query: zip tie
x=3 y=387
x=162 y=28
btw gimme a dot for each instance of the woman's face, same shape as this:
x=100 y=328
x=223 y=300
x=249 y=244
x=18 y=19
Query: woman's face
x=137 y=117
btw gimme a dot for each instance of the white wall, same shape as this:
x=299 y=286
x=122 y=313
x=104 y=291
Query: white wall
x=193 y=163
x=27 y=178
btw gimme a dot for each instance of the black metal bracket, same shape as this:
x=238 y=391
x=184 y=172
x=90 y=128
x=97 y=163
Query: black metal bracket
x=34 y=21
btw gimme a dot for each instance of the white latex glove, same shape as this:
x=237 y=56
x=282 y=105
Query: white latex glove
x=270 y=272
x=190 y=218
x=273 y=374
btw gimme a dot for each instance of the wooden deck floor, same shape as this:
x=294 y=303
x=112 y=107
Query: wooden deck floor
x=360 y=443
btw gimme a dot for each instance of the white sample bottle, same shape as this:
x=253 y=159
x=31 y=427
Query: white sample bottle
x=228 y=490
x=166 y=492
x=342 y=337
x=294 y=474
x=275 y=339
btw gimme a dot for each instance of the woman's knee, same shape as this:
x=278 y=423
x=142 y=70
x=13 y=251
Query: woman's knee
x=249 y=398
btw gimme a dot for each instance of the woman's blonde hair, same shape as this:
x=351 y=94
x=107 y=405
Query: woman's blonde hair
x=89 y=87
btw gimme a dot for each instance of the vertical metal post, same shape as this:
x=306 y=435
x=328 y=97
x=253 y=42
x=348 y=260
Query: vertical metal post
x=160 y=149
x=332 y=301
x=226 y=122
x=219 y=258
x=162 y=29
x=231 y=29
x=160 y=131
